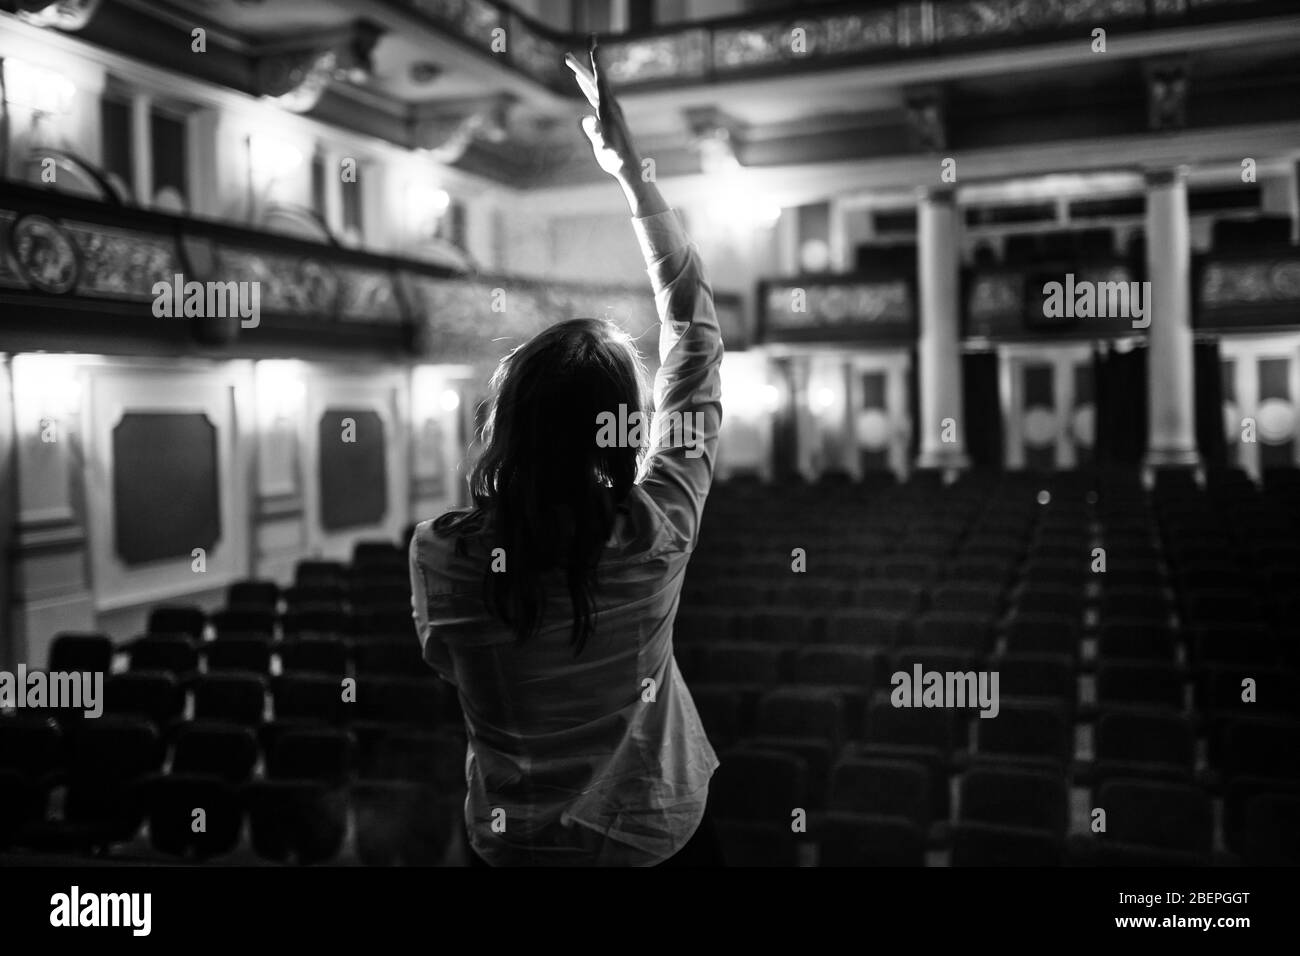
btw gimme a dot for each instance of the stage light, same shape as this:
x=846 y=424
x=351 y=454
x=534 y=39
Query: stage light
x=272 y=158
x=37 y=88
x=47 y=388
x=822 y=399
x=426 y=205
x=449 y=400
x=771 y=398
x=280 y=390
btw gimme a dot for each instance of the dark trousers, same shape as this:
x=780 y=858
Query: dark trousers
x=702 y=849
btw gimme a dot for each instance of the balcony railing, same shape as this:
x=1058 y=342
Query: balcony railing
x=77 y=273
x=805 y=38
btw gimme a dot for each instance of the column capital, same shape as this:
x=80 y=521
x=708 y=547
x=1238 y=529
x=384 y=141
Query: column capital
x=1164 y=176
x=936 y=194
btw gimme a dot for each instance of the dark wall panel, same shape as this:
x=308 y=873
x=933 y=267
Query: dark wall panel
x=166 y=491
x=353 y=474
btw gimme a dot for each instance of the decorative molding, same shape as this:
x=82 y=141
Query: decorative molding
x=67 y=15
x=1167 y=87
x=296 y=73
x=279 y=507
x=927 y=118
x=447 y=130
x=1248 y=291
x=839 y=308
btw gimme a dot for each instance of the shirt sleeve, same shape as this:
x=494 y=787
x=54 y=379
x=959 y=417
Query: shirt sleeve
x=432 y=648
x=687 y=389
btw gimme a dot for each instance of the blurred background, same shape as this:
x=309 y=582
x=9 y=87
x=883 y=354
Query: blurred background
x=1103 y=508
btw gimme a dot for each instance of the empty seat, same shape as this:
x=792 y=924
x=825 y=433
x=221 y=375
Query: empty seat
x=986 y=844
x=779 y=625
x=1273 y=830
x=21 y=804
x=258 y=595
x=369 y=592
x=1018 y=798
x=323 y=754
x=71 y=651
x=177 y=619
x=1241 y=691
x=310 y=698
x=869 y=628
x=761 y=786
x=1145 y=745
x=889 y=596
x=802 y=712
x=431 y=758
x=1137 y=604
x=807 y=722
x=960 y=599
x=176 y=654
x=1048 y=676
x=171 y=806
x=1136 y=641
x=402 y=823
x=317 y=595
x=1026 y=733
x=302 y=821
x=1042 y=634
x=1038 y=600
x=739 y=663
x=1261 y=747
x=800 y=593
x=228 y=751
x=837 y=665
x=953 y=630
x=324 y=620
x=244 y=620
x=750 y=844
x=153 y=695
x=858 y=839
x=309 y=573
x=924 y=736
x=704 y=624
x=1221 y=607
x=390 y=658
x=241 y=652
x=320 y=655
x=231 y=696
x=882 y=787
x=377 y=552
x=416 y=703
x=1165 y=816
x=1139 y=685
x=1246 y=645
x=32 y=746
x=110 y=757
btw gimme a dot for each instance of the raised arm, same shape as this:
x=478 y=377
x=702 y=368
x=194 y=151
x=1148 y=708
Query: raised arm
x=687 y=391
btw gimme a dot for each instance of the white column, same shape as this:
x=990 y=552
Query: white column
x=142 y=149
x=1171 y=431
x=939 y=347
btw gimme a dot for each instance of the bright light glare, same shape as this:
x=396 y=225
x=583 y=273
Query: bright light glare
x=272 y=158
x=37 y=87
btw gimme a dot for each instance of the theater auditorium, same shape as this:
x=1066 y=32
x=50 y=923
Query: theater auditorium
x=1000 y=561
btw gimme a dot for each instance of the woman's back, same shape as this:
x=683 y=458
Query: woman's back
x=595 y=760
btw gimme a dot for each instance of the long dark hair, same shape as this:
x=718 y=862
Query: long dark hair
x=543 y=489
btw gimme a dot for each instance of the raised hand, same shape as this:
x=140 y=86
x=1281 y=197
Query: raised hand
x=611 y=141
